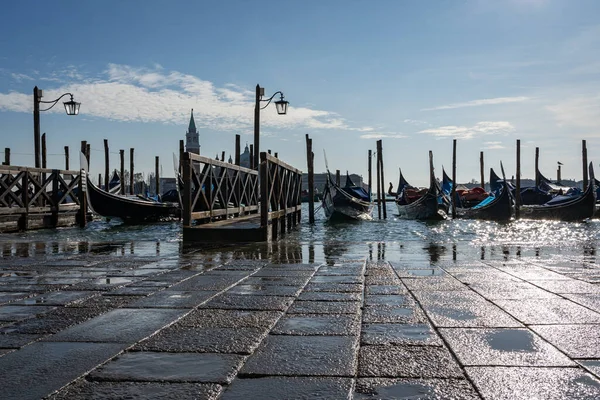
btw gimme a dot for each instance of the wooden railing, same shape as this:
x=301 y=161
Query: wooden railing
x=214 y=189
x=25 y=192
x=280 y=187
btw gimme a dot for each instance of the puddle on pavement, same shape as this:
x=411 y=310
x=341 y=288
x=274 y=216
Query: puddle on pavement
x=511 y=340
x=399 y=391
x=453 y=313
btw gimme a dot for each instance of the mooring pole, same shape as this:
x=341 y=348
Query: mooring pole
x=537 y=166
x=131 y=170
x=518 y=183
x=380 y=152
x=106 y=166
x=156 y=174
x=7 y=156
x=252 y=166
x=481 y=167
x=378 y=166
x=44 y=153
x=67 y=158
x=369 y=163
x=237 y=150
x=311 y=181
x=453 y=192
x=585 y=166
x=122 y=175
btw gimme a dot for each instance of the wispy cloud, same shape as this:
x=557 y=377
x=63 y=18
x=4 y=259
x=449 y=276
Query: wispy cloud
x=126 y=93
x=493 y=145
x=580 y=112
x=469 y=132
x=481 y=102
x=20 y=77
x=383 y=136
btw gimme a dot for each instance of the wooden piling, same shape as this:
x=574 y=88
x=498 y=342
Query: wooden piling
x=6 y=156
x=131 y=150
x=518 y=183
x=237 y=150
x=44 y=152
x=106 y=166
x=537 y=167
x=156 y=174
x=36 y=126
x=379 y=188
x=223 y=156
x=380 y=153
x=99 y=179
x=370 y=155
x=67 y=158
x=558 y=177
x=82 y=214
x=585 y=162
x=481 y=168
x=453 y=192
x=252 y=166
x=122 y=175
x=311 y=181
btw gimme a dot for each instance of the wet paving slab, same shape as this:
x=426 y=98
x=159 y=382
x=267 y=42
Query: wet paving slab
x=289 y=388
x=86 y=390
x=59 y=298
x=549 y=311
x=504 y=347
x=173 y=299
x=10 y=313
x=242 y=302
x=577 y=341
x=592 y=366
x=399 y=334
x=431 y=389
x=324 y=307
x=170 y=367
x=566 y=286
x=318 y=324
x=508 y=383
x=386 y=315
x=265 y=290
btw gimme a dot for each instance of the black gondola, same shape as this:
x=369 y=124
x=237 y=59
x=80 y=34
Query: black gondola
x=131 y=210
x=429 y=206
x=566 y=208
x=349 y=202
x=498 y=207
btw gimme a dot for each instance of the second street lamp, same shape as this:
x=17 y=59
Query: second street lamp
x=281 y=105
x=71 y=108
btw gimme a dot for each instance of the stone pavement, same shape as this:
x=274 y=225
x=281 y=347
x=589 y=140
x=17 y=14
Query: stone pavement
x=103 y=327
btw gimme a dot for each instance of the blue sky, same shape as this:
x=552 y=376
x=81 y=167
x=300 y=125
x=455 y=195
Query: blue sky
x=416 y=74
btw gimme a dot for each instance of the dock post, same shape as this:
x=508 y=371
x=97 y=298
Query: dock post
x=106 y=166
x=252 y=166
x=157 y=177
x=82 y=188
x=186 y=166
x=122 y=175
x=44 y=153
x=518 y=183
x=7 y=156
x=223 y=156
x=131 y=150
x=380 y=152
x=67 y=158
x=378 y=182
x=481 y=167
x=99 y=179
x=264 y=195
x=537 y=164
x=558 y=174
x=237 y=150
x=585 y=166
x=453 y=192
x=24 y=219
x=311 y=181
x=55 y=209
x=36 y=125
x=369 y=164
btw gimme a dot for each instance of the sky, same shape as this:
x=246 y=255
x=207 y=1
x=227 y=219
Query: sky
x=415 y=74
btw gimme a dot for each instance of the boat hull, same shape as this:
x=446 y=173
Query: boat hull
x=338 y=206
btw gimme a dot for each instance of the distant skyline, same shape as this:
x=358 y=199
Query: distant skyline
x=414 y=74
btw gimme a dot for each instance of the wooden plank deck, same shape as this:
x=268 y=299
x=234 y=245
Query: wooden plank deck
x=240 y=229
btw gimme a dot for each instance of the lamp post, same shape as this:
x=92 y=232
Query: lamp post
x=281 y=106
x=71 y=108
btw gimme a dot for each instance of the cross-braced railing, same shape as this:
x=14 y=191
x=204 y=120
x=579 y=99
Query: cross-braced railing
x=281 y=186
x=26 y=190
x=213 y=189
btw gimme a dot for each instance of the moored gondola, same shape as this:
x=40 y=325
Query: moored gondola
x=497 y=207
x=348 y=202
x=426 y=206
x=566 y=208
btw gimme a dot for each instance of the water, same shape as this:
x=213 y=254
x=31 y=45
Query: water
x=391 y=239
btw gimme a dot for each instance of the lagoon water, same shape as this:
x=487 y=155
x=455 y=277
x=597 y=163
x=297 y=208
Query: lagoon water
x=393 y=239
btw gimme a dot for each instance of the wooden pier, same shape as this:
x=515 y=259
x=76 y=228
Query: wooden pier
x=223 y=202
x=33 y=198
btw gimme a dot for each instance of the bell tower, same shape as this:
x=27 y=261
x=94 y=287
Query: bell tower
x=192 y=137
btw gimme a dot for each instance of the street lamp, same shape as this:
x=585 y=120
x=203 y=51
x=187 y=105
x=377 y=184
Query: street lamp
x=71 y=108
x=281 y=106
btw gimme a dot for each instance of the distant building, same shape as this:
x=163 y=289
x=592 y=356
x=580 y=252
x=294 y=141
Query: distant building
x=245 y=158
x=192 y=137
x=321 y=178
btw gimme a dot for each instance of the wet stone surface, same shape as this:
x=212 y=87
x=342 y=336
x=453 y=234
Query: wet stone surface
x=549 y=311
x=591 y=365
x=324 y=307
x=508 y=383
x=334 y=287
x=85 y=390
x=385 y=289
x=276 y=388
x=431 y=389
x=180 y=339
x=173 y=299
x=399 y=334
x=264 y=290
x=407 y=361
x=330 y=296
x=241 y=302
x=318 y=324
x=303 y=355
x=388 y=315
x=205 y=318
x=170 y=367
x=577 y=341
x=16 y=340
x=506 y=347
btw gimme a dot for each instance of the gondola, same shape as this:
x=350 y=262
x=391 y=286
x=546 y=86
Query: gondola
x=566 y=208
x=498 y=207
x=348 y=202
x=428 y=206
x=131 y=210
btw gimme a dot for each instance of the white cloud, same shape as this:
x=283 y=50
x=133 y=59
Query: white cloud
x=415 y=122
x=493 y=145
x=20 y=77
x=383 y=136
x=469 y=132
x=581 y=112
x=126 y=93
x=481 y=102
